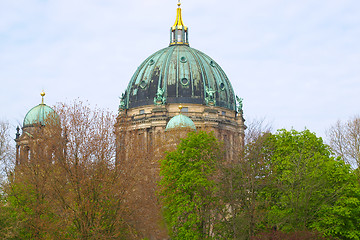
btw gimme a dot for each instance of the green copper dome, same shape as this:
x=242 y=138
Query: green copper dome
x=179 y=74
x=38 y=115
x=180 y=121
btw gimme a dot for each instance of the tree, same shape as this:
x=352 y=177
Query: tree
x=303 y=180
x=242 y=182
x=345 y=140
x=188 y=186
x=138 y=156
x=6 y=159
x=6 y=149
x=341 y=219
x=70 y=187
x=255 y=130
x=290 y=182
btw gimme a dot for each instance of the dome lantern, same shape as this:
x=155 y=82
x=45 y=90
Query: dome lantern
x=179 y=32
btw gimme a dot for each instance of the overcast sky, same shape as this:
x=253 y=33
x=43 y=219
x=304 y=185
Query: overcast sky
x=295 y=63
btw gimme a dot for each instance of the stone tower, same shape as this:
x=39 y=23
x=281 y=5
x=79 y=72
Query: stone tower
x=33 y=129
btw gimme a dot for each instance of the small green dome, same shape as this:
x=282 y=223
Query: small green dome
x=180 y=121
x=38 y=115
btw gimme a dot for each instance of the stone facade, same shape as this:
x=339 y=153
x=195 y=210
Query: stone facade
x=142 y=140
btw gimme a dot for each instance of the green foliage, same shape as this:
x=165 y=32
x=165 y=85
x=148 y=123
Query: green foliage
x=342 y=218
x=5 y=215
x=29 y=214
x=188 y=186
x=297 y=235
x=304 y=183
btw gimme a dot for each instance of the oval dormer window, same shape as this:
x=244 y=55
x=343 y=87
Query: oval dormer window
x=222 y=86
x=143 y=84
x=184 y=81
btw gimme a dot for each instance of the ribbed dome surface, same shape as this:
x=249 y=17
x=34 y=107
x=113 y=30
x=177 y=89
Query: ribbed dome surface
x=179 y=74
x=180 y=121
x=38 y=115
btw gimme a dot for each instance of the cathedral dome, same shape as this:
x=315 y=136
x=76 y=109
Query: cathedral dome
x=39 y=114
x=179 y=74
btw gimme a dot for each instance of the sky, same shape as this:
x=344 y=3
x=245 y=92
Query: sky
x=296 y=64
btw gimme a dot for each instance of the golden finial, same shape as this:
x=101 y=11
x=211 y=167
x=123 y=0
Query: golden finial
x=42 y=94
x=178 y=22
x=180 y=107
